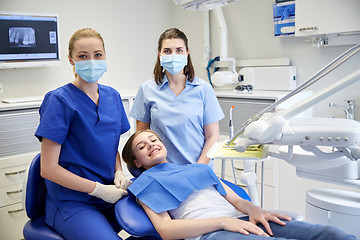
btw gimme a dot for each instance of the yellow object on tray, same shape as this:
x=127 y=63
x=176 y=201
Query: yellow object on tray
x=222 y=150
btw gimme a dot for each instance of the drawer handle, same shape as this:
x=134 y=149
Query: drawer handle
x=15 y=173
x=16 y=211
x=308 y=29
x=14 y=192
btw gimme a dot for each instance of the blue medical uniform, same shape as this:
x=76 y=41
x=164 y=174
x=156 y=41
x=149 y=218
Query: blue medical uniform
x=179 y=120
x=89 y=135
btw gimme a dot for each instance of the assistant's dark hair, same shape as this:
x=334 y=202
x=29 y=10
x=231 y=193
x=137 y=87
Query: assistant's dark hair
x=158 y=69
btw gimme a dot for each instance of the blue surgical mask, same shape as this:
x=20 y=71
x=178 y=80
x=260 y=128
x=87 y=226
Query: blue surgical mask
x=173 y=63
x=90 y=70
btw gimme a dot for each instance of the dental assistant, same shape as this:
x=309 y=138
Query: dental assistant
x=177 y=105
x=80 y=127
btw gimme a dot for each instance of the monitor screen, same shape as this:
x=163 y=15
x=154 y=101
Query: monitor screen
x=28 y=38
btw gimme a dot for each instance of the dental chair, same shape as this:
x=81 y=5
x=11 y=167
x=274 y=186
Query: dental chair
x=34 y=191
x=133 y=219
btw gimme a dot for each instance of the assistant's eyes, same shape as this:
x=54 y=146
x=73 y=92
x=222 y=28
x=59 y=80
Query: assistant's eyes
x=166 y=51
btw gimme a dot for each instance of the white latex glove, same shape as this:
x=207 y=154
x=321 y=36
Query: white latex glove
x=108 y=193
x=121 y=181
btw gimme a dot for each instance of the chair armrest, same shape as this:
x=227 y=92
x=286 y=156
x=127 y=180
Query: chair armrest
x=295 y=216
x=133 y=219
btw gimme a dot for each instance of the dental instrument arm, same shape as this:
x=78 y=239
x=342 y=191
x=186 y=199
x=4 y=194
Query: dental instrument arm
x=323 y=72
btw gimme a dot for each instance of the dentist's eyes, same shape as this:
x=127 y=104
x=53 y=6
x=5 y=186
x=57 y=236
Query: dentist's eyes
x=154 y=140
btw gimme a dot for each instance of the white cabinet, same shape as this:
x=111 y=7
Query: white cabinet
x=17 y=148
x=316 y=17
x=328 y=22
x=12 y=213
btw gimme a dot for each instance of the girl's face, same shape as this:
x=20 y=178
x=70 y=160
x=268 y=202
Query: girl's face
x=148 y=150
x=173 y=46
x=88 y=48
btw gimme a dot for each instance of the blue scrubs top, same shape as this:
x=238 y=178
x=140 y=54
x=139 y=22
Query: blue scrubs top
x=89 y=135
x=179 y=120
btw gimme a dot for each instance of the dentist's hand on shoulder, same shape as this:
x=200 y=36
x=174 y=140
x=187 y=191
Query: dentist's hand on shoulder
x=121 y=181
x=108 y=193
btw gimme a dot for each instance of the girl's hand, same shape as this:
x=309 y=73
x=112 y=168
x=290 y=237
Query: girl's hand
x=241 y=226
x=258 y=215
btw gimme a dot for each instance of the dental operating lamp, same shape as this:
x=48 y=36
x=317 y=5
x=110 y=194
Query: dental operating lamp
x=200 y=5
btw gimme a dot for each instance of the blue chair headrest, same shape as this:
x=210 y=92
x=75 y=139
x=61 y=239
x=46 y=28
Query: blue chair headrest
x=35 y=190
x=135 y=171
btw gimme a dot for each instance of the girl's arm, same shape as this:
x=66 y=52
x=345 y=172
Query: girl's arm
x=255 y=213
x=186 y=228
x=142 y=125
x=211 y=132
x=51 y=170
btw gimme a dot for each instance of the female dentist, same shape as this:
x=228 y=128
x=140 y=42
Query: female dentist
x=80 y=127
x=178 y=106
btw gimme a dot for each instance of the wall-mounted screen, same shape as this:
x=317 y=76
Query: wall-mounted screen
x=29 y=40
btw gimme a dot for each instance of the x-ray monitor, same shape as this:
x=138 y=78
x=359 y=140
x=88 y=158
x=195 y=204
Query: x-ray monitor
x=29 y=40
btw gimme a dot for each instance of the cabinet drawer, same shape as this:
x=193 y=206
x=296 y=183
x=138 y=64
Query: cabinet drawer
x=17 y=130
x=12 y=221
x=12 y=175
x=10 y=195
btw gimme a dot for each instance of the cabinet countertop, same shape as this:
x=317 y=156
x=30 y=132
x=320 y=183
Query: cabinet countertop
x=125 y=94
x=253 y=95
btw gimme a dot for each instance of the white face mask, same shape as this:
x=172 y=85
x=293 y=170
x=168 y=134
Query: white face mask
x=90 y=70
x=173 y=63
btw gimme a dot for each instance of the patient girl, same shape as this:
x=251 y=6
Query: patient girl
x=190 y=202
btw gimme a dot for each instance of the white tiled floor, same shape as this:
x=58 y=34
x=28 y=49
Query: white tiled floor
x=123 y=234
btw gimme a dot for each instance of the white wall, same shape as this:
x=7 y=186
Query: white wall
x=250 y=33
x=130 y=30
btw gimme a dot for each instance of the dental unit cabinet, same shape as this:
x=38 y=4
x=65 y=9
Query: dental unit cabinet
x=245 y=106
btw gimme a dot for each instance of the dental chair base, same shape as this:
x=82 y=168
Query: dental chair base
x=334 y=207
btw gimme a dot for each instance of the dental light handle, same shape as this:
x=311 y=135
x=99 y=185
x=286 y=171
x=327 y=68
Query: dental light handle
x=324 y=71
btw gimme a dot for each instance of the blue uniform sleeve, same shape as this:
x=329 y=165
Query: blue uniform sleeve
x=140 y=110
x=55 y=117
x=212 y=108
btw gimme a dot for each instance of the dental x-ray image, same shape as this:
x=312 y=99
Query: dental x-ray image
x=22 y=37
